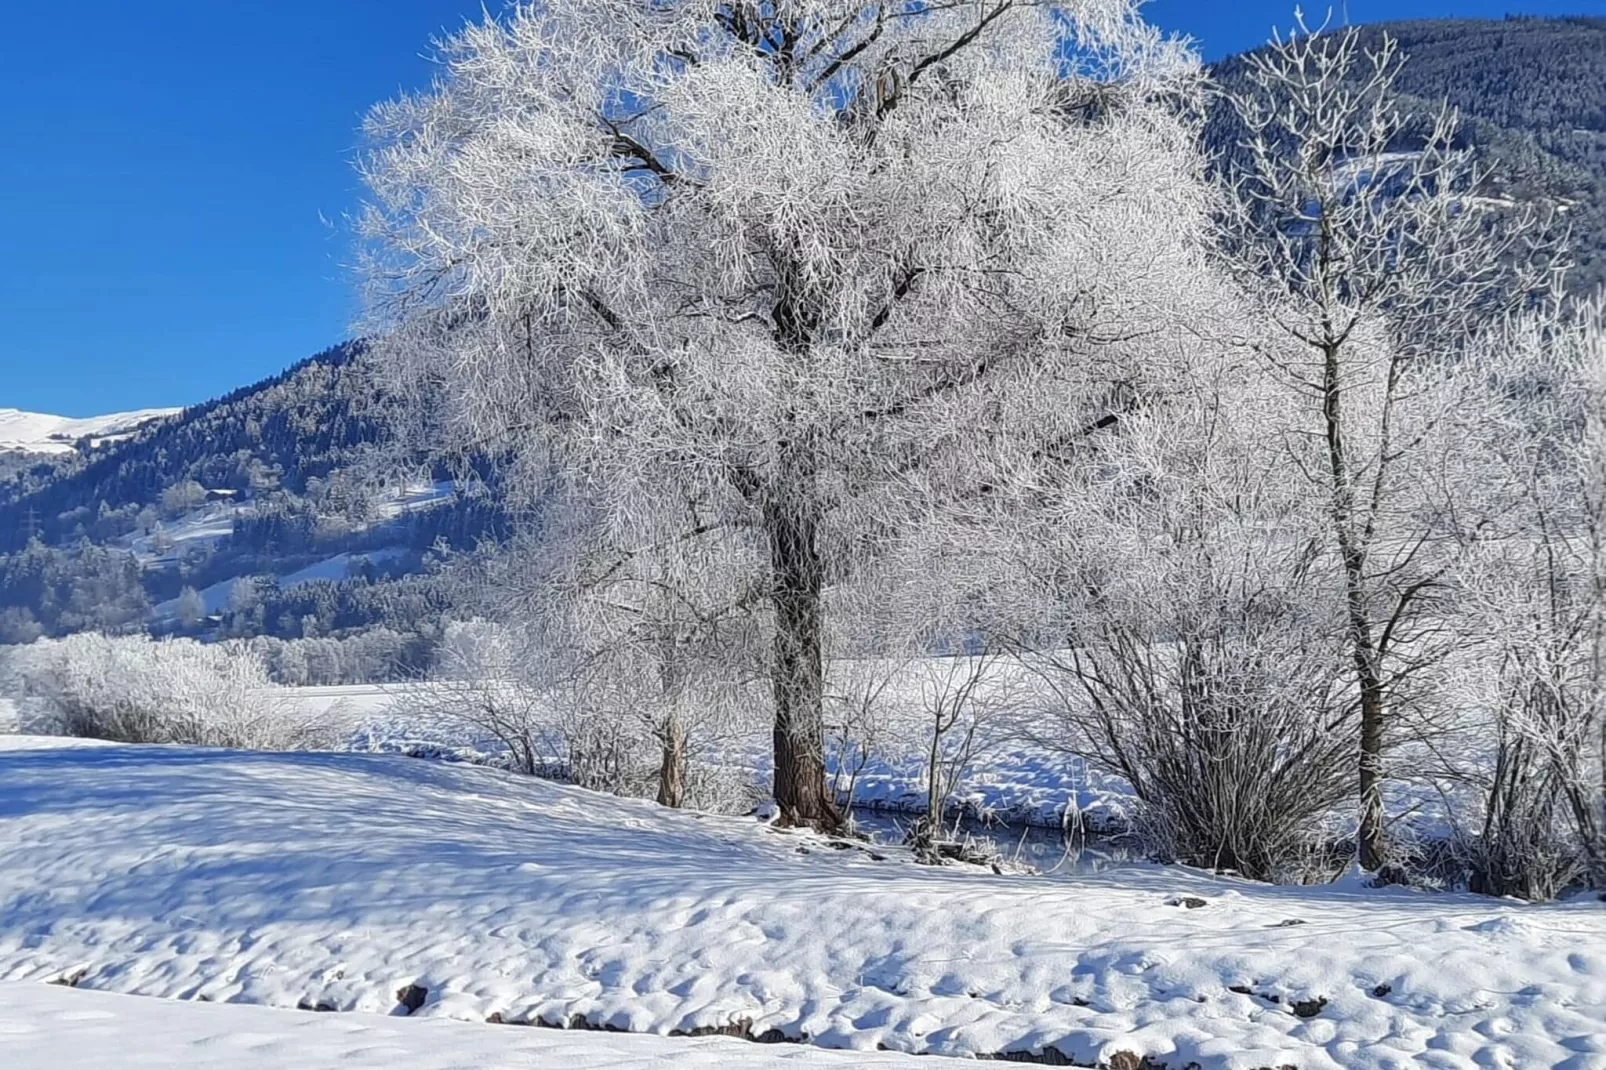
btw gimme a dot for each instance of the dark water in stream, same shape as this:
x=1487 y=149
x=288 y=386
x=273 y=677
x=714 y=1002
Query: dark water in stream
x=1044 y=849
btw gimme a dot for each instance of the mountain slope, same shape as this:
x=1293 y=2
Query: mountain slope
x=1531 y=93
x=291 y=504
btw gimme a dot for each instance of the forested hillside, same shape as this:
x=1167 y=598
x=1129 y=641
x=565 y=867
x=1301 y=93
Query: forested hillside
x=1531 y=93
x=191 y=524
x=274 y=437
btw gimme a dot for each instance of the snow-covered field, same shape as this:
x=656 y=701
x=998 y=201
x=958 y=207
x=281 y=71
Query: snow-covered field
x=215 y=598
x=1016 y=775
x=341 y=566
x=341 y=879
x=415 y=496
x=49 y=1027
x=203 y=526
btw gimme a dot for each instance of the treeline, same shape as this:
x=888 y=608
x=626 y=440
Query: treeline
x=415 y=605
x=379 y=655
x=47 y=591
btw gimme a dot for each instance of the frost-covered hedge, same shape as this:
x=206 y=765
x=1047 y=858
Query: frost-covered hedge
x=133 y=689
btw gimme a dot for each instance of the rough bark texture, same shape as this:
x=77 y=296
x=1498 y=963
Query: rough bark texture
x=1372 y=842
x=792 y=516
x=672 y=769
x=797 y=673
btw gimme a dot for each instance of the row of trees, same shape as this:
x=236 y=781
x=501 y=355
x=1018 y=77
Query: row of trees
x=827 y=329
x=51 y=591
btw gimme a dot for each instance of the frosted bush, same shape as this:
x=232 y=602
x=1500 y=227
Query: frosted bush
x=133 y=689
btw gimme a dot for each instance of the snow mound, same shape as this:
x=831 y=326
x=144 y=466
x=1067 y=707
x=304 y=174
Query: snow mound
x=339 y=879
x=34 y=432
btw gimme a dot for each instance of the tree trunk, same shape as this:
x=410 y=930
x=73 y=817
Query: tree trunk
x=1372 y=844
x=792 y=520
x=1371 y=840
x=797 y=674
x=672 y=769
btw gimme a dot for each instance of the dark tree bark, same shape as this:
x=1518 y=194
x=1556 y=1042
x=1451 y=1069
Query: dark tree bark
x=672 y=768
x=1372 y=843
x=798 y=671
x=792 y=515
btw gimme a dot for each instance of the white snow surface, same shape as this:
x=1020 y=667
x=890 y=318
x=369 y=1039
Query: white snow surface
x=209 y=524
x=1014 y=777
x=341 y=566
x=284 y=879
x=415 y=496
x=49 y=1027
x=214 y=599
x=37 y=432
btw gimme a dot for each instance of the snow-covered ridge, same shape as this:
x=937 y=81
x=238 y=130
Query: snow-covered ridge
x=35 y=432
x=50 y=1026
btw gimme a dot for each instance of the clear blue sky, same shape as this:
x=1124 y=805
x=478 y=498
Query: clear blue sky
x=175 y=177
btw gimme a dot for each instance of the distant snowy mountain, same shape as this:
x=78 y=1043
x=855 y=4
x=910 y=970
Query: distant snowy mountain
x=34 y=432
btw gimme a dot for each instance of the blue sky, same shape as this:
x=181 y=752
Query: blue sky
x=175 y=177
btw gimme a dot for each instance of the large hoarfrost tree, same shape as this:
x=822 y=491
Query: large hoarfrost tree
x=1379 y=255
x=730 y=269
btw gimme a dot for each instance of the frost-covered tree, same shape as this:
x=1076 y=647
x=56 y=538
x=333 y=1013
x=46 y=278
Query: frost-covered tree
x=486 y=681
x=732 y=271
x=1166 y=594
x=1378 y=256
x=1532 y=608
x=191 y=607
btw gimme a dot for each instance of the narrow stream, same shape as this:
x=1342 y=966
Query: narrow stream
x=1044 y=849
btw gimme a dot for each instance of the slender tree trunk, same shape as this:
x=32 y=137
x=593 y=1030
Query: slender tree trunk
x=1372 y=842
x=671 y=731
x=1372 y=846
x=672 y=769
x=797 y=673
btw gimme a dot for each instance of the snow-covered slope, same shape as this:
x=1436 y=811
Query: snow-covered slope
x=337 y=880
x=33 y=432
